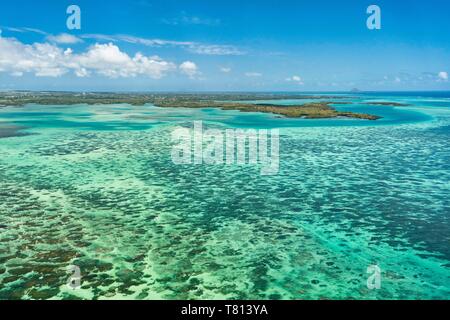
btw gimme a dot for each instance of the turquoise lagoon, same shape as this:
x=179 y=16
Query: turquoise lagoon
x=95 y=187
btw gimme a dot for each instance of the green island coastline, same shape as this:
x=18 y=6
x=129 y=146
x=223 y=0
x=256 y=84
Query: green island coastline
x=224 y=101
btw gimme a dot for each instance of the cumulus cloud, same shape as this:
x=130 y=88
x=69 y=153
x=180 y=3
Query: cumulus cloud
x=253 y=74
x=296 y=79
x=443 y=76
x=42 y=59
x=108 y=60
x=49 y=60
x=225 y=70
x=190 y=69
x=64 y=38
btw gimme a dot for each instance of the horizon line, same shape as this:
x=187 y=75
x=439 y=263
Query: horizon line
x=225 y=91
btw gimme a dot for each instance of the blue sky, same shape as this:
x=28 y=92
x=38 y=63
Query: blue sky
x=145 y=45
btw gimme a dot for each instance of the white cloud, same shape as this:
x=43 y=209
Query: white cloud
x=398 y=80
x=25 y=29
x=82 y=73
x=64 y=38
x=49 y=60
x=443 y=76
x=296 y=79
x=253 y=74
x=108 y=60
x=42 y=59
x=99 y=37
x=200 y=21
x=225 y=70
x=189 y=68
x=143 y=41
x=185 y=19
x=215 y=50
x=191 y=46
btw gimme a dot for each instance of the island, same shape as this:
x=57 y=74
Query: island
x=312 y=110
x=243 y=102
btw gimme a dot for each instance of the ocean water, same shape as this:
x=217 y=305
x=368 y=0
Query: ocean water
x=95 y=187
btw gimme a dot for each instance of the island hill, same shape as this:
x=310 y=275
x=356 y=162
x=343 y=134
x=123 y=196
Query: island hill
x=243 y=102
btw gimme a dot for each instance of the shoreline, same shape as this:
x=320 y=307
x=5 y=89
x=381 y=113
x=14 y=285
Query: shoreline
x=311 y=110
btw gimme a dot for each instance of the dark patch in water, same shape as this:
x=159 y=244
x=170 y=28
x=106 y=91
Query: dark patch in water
x=12 y=131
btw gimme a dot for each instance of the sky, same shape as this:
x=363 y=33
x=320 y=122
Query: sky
x=205 y=45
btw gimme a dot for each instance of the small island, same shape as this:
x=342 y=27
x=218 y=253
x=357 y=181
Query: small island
x=244 y=102
x=313 y=110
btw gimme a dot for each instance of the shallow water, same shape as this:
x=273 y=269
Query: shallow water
x=94 y=186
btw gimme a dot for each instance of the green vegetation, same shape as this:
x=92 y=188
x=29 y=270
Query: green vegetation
x=225 y=101
x=63 y=98
x=313 y=110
